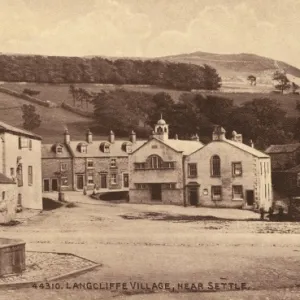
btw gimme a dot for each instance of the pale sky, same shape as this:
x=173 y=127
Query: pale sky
x=151 y=28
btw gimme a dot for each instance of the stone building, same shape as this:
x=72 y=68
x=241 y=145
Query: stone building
x=57 y=166
x=78 y=164
x=228 y=173
x=8 y=199
x=20 y=153
x=156 y=168
x=285 y=156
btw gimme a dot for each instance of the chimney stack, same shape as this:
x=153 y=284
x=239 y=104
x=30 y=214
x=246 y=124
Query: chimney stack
x=251 y=144
x=176 y=136
x=132 y=137
x=237 y=137
x=67 y=137
x=111 y=137
x=195 y=137
x=89 y=136
x=219 y=134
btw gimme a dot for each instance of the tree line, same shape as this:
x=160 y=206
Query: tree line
x=261 y=120
x=58 y=69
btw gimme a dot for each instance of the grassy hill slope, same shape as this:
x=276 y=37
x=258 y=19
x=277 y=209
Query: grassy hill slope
x=236 y=67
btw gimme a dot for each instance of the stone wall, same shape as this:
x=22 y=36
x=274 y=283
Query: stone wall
x=8 y=202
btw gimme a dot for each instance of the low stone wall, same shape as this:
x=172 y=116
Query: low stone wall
x=77 y=111
x=28 y=98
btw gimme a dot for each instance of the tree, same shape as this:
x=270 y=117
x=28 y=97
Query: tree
x=212 y=80
x=252 y=79
x=283 y=82
x=72 y=91
x=31 y=119
x=295 y=87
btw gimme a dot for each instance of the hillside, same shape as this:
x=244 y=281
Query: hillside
x=236 y=67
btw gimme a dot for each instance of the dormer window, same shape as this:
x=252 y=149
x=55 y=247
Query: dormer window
x=127 y=147
x=59 y=149
x=82 y=148
x=105 y=147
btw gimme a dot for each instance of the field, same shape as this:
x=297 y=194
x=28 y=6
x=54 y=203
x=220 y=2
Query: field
x=55 y=120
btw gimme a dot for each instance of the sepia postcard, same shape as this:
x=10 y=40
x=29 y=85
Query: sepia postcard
x=149 y=149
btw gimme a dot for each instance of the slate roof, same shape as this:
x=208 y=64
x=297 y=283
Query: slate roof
x=287 y=148
x=248 y=149
x=185 y=146
x=5 y=180
x=11 y=129
x=93 y=149
x=295 y=169
x=48 y=151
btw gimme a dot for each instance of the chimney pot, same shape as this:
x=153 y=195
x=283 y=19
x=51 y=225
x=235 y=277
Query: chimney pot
x=132 y=137
x=67 y=137
x=89 y=136
x=111 y=137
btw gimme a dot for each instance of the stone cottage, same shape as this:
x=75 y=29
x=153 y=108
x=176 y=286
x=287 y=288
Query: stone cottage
x=88 y=163
x=20 y=153
x=228 y=173
x=156 y=168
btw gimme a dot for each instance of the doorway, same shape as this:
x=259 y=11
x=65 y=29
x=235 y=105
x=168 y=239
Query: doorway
x=54 y=184
x=155 y=192
x=250 y=197
x=193 y=196
x=125 y=180
x=103 y=181
x=80 y=182
x=46 y=185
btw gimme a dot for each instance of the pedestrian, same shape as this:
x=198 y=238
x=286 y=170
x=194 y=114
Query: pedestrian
x=262 y=213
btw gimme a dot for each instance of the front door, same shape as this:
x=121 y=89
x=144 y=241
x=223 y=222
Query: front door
x=156 y=192
x=193 y=195
x=125 y=180
x=54 y=184
x=103 y=181
x=46 y=185
x=250 y=197
x=80 y=182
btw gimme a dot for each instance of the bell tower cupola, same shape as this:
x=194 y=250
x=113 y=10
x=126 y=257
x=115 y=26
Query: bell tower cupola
x=161 y=129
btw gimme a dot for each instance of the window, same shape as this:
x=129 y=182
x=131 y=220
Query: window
x=12 y=172
x=170 y=186
x=154 y=147
x=237 y=169
x=155 y=162
x=23 y=142
x=106 y=148
x=215 y=166
x=139 y=166
x=113 y=163
x=90 y=178
x=237 y=192
x=113 y=178
x=141 y=186
x=59 y=149
x=3 y=195
x=128 y=148
x=30 y=144
x=192 y=170
x=261 y=169
x=20 y=175
x=83 y=149
x=63 y=166
x=90 y=164
x=216 y=193
x=30 y=175
x=169 y=165
x=64 y=181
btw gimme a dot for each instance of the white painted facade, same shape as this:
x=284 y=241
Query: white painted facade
x=20 y=153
